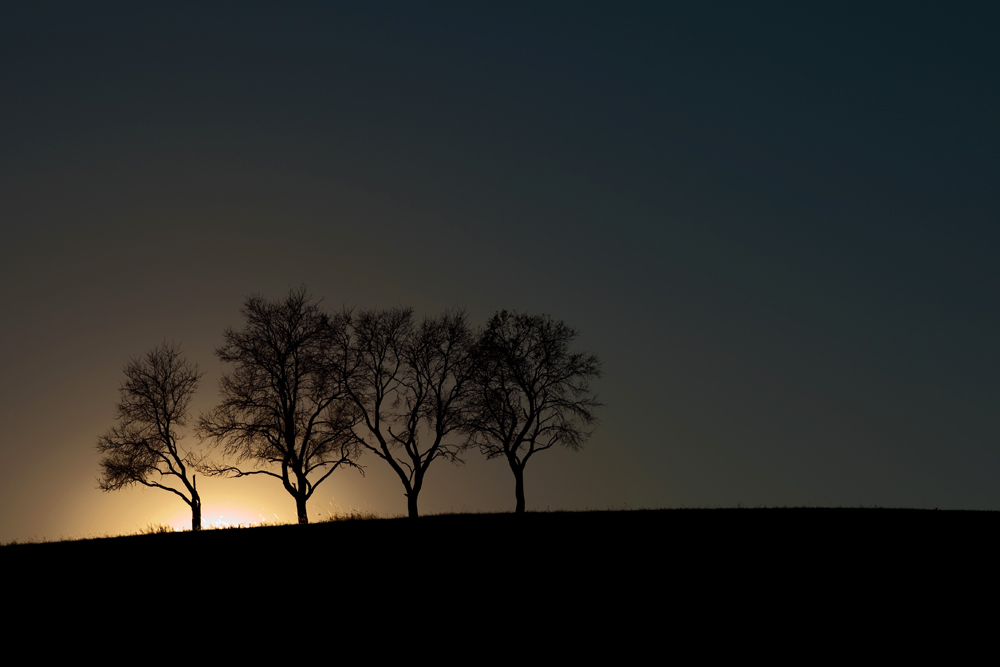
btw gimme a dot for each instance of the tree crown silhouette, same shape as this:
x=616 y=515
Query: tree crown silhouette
x=142 y=447
x=529 y=391
x=282 y=403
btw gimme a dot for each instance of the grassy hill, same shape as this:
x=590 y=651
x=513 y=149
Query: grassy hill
x=578 y=541
x=697 y=582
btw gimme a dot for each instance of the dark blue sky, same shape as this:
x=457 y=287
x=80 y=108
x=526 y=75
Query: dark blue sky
x=777 y=227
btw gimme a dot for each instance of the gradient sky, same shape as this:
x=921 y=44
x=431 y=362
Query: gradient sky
x=778 y=228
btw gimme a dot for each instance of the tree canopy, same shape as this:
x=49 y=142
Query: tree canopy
x=282 y=410
x=407 y=384
x=529 y=391
x=142 y=447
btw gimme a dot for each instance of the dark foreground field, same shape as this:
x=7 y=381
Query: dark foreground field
x=659 y=548
x=691 y=583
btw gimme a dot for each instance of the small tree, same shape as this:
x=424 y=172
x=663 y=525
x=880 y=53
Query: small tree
x=408 y=385
x=142 y=448
x=529 y=391
x=281 y=405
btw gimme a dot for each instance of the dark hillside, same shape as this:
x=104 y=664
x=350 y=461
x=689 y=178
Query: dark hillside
x=698 y=559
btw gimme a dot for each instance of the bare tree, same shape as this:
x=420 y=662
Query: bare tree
x=529 y=392
x=281 y=405
x=142 y=448
x=408 y=384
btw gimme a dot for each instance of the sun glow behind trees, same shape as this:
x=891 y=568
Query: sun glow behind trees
x=222 y=516
x=226 y=504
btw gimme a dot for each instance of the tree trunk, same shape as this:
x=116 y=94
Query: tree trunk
x=411 y=504
x=195 y=504
x=519 y=488
x=300 y=506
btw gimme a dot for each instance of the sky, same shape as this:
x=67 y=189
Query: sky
x=776 y=226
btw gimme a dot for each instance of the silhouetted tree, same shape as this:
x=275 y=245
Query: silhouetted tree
x=142 y=447
x=529 y=391
x=407 y=384
x=281 y=405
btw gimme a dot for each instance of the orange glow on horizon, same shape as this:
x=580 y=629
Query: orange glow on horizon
x=222 y=516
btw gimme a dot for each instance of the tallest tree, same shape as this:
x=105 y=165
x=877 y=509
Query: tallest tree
x=282 y=413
